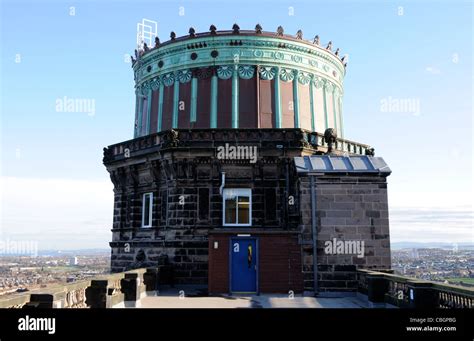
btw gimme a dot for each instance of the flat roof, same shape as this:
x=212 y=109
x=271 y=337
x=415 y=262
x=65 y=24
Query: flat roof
x=341 y=164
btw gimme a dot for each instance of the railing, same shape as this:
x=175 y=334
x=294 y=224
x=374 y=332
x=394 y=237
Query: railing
x=127 y=288
x=211 y=138
x=451 y=296
x=404 y=292
x=108 y=291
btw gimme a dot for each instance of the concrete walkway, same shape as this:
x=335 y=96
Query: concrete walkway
x=174 y=299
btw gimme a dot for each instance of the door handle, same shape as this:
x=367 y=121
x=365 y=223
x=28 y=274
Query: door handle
x=249 y=256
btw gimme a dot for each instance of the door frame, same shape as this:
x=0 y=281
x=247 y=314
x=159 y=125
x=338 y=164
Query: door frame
x=257 y=261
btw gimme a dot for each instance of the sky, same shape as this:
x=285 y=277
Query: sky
x=55 y=191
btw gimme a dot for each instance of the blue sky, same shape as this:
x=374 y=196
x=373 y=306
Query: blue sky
x=54 y=186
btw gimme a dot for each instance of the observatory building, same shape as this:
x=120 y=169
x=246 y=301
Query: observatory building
x=239 y=177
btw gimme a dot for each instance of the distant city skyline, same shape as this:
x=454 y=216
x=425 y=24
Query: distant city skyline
x=408 y=93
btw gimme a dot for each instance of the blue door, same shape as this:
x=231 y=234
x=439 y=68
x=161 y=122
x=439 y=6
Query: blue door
x=243 y=254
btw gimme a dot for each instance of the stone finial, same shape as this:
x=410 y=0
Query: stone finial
x=151 y=279
x=344 y=60
x=157 y=42
x=316 y=40
x=171 y=138
x=329 y=47
x=172 y=35
x=145 y=47
x=299 y=35
x=132 y=59
x=370 y=151
x=192 y=32
x=258 y=29
x=330 y=137
x=280 y=31
x=212 y=29
x=337 y=52
x=136 y=54
x=235 y=29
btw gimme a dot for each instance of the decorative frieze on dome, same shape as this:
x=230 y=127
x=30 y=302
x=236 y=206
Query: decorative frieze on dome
x=144 y=88
x=185 y=76
x=267 y=72
x=304 y=78
x=155 y=83
x=328 y=86
x=318 y=82
x=246 y=71
x=225 y=71
x=168 y=79
x=287 y=75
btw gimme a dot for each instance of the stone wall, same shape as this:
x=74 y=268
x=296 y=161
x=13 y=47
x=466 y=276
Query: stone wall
x=349 y=209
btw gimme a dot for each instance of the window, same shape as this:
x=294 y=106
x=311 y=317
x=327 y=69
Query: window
x=237 y=210
x=164 y=205
x=203 y=204
x=270 y=204
x=147 y=209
